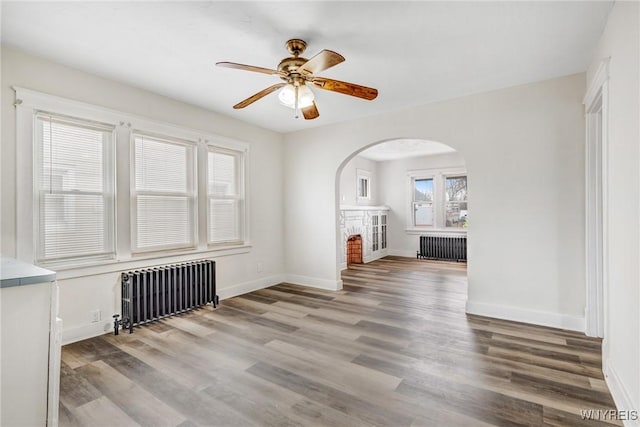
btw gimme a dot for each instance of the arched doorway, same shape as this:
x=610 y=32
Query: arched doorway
x=402 y=197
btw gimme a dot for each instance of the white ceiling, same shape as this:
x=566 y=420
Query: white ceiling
x=403 y=148
x=413 y=52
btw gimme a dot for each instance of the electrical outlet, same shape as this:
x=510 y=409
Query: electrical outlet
x=96 y=316
x=260 y=267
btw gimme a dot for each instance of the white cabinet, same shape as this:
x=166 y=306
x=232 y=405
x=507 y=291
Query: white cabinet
x=29 y=357
x=377 y=235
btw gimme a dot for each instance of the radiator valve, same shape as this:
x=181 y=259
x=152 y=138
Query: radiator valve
x=118 y=323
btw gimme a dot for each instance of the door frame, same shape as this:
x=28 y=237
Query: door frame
x=596 y=215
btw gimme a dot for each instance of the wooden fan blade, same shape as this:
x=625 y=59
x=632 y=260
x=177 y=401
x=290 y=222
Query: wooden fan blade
x=311 y=112
x=248 y=68
x=345 y=88
x=320 y=62
x=253 y=98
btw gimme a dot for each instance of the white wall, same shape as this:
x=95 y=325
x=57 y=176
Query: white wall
x=90 y=289
x=523 y=147
x=392 y=190
x=621 y=42
x=349 y=185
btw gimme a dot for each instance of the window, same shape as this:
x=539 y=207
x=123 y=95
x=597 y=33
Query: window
x=103 y=186
x=438 y=200
x=456 y=201
x=225 y=195
x=163 y=195
x=363 y=187
x=74 y=182
x=423 y=202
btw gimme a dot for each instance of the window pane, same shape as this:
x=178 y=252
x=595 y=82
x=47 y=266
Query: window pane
x=161 y=166
x=71 y=225
x=163 y=221
x=224 y=220
x=423 y=214
x=423 y=190
x=222 y=174
x=456 y=205
x=363 y=187
x=456 y=188
x=72 y=157
x=456 y=214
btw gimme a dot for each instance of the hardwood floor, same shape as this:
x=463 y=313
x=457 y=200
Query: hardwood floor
x=393 y=348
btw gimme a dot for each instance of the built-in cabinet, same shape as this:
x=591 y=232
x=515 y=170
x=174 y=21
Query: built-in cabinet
x=370 y=223
x=30 y=353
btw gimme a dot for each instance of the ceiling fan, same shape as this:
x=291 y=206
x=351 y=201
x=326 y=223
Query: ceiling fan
x=298 y=74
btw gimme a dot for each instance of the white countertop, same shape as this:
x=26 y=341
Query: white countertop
x=19 y=273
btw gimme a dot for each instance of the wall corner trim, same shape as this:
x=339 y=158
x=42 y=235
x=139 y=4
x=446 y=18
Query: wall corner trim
x=619 y=393
x=516 y=314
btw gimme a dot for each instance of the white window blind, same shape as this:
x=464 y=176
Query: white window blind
x=75 y=197
x=225 y=191
x=164 y=200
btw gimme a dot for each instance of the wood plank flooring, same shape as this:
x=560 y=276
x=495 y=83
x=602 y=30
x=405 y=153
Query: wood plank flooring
x=393 y=348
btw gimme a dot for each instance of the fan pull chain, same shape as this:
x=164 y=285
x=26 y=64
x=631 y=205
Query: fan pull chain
x=295 y=107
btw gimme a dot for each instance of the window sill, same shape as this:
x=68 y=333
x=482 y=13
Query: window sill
x=144 y=261
x=435 y=230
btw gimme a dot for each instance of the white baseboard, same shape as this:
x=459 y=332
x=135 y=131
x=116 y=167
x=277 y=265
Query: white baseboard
x=80 y=333
x=314 y=282
x=402 y=252
x=246 y=287
x=619 y=393
x=543 y=318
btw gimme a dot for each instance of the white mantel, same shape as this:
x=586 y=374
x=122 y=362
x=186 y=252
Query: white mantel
x=363 y=208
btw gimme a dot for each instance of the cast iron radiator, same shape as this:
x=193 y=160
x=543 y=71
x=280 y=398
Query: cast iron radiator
x=443 y=247
x=154 y=293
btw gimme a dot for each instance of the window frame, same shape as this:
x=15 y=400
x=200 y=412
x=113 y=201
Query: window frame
x=414 y=203
x=363 y=175
x=240 y=196
x=108 y=192
x=191 y=193
x=446 y=202
x=439 y=176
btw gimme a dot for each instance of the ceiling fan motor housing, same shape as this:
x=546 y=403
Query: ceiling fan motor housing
x=290 y=67
x=296 y=46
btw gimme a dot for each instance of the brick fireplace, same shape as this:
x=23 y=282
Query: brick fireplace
x=354 y=249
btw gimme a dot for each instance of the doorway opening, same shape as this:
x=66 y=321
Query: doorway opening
x=398 y=195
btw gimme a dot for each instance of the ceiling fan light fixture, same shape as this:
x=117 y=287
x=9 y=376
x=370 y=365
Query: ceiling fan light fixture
x=287 y=96
x=296 y=72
